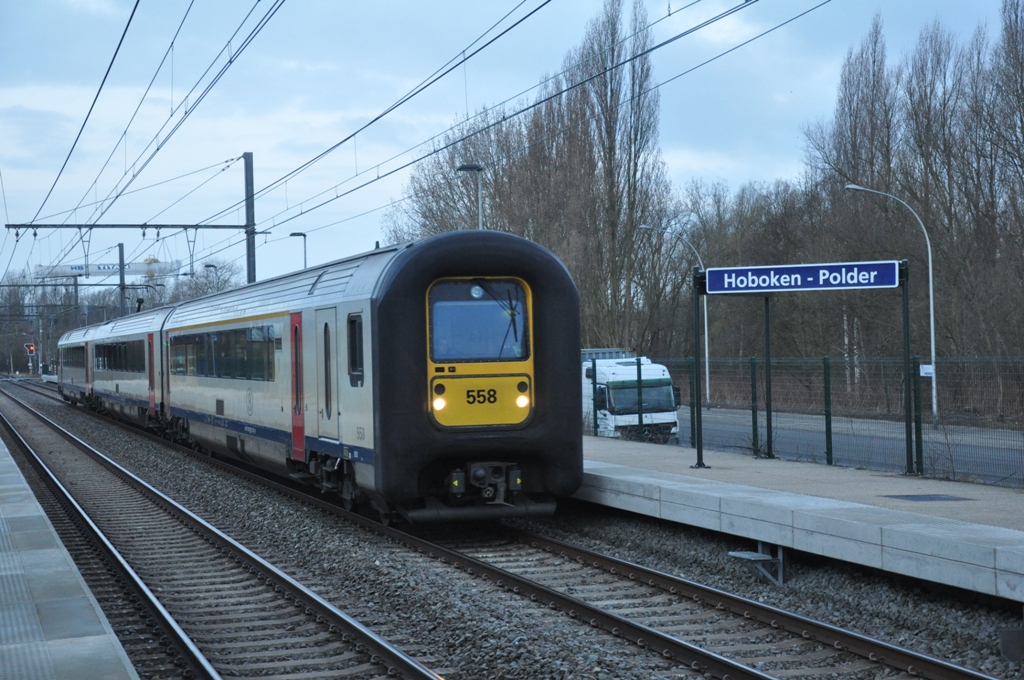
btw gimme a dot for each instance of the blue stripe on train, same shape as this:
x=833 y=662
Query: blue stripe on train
x=357 y=454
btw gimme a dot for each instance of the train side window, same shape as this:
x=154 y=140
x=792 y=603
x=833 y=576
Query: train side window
x=272 y=343
x=222 y=353
x=327 y=370
x=241 y=354
x=257 y=354
x=202 y=355
x=355 y=350
x=177 y=357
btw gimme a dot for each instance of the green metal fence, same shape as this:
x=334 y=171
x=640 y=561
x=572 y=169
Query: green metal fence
x=850 y=412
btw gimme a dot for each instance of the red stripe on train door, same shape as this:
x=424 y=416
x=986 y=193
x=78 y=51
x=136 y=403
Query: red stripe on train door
x=298 y=405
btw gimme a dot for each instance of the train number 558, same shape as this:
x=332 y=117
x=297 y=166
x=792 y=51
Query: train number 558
x=481 y=396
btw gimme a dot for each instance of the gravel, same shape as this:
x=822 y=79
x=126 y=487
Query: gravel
x=956 y=626
x=462 y=627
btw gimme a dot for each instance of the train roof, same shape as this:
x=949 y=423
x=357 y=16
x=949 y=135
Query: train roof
x=356 y=277
x=333 y=279
x=350 y=278
x=149 y=321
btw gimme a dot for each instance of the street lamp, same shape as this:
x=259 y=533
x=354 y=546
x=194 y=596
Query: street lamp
x=303 y=235
x=704 y=299
x=216 y=273
x=931 y=294
x=478 y=169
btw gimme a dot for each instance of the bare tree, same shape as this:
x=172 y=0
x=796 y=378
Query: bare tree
x=215 y=276
x=580 y=173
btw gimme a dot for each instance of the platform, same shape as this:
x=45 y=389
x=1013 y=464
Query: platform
x=965 y=535
x=50 y=624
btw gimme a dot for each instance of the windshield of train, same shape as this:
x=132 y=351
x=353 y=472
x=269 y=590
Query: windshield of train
x=656 y=398
x=478 y=320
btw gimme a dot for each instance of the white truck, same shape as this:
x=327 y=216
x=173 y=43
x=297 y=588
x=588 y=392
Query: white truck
x=611 y=386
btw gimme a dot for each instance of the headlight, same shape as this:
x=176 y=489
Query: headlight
x=439 y=404
x=522 y=401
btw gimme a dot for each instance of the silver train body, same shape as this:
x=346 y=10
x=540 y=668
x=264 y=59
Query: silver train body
x=435 y=380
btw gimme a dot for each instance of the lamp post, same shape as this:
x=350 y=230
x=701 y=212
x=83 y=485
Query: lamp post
x=707 y=343
x=478 y=169
x=303 y=235
x=931 y=294
x=216 y=274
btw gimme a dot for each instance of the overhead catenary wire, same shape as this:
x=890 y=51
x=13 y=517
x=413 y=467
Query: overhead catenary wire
x=111 y=197
x=190 y=108
x=379 y=176
x=123 y=137
x=534 y=105
x=430 y=80
x=480 y=114
x=77 y=137
x=440 y=73
x=219 y=164
x=89 y=113
x=525 y=109
x=7 y=215
x=437 y=75
x=537 y=103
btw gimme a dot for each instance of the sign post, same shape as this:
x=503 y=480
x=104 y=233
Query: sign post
x=791 y=278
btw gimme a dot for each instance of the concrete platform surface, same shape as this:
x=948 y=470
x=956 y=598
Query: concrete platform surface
x=965 y=535
x=51 y=626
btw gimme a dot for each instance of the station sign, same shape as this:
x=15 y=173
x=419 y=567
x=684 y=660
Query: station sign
x=799 y=277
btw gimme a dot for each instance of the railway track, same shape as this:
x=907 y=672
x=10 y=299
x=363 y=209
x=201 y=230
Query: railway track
x=137 y=627
x=230 y=612
x=703 y=630
x=770 y=640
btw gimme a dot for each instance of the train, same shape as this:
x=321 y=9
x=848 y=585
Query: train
x=435 y=380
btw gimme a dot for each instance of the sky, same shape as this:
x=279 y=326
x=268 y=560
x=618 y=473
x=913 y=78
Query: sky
x=319 y=70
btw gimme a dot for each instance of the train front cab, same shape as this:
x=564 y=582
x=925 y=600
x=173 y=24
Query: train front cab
x=477 y=341
x=480 y=373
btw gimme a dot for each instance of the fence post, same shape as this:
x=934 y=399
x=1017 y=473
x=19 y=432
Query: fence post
x=593 y=396
x=755 y=445
x=828 y=409
x=639 y=402
x=918 y=444
x=693 y=409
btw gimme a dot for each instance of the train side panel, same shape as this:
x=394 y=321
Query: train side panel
x=124 y=368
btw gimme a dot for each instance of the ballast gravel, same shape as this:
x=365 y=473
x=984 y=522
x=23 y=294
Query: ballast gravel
x=464 y=628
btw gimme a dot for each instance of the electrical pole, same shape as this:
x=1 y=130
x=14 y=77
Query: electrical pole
x=120 y=260
x=250 y=221
x=249 y=227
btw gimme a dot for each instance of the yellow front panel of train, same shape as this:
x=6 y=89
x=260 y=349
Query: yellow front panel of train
x=479 y=353
x=481 y=400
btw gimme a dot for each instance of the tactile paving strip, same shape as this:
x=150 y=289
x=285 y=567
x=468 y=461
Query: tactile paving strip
x=27 y=662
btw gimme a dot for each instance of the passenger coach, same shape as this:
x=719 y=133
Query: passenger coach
x=435 y=379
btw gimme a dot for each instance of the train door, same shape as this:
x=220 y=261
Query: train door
x=328 y=408
x=356 y=390
x=88 y=370
x=298 y=415
x=151 y=370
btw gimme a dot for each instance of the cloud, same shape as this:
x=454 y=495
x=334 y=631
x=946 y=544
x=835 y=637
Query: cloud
x=686 y=163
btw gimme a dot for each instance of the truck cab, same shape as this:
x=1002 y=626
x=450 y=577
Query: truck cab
x=633 y=398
